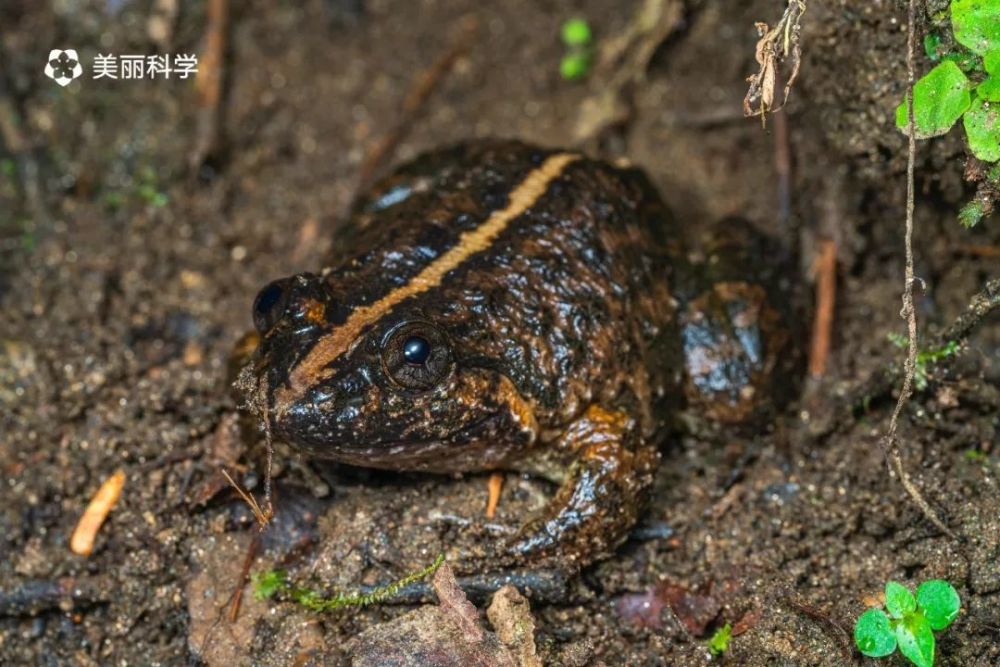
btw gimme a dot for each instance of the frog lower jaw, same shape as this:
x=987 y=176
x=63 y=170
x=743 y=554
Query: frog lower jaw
x=486 y=444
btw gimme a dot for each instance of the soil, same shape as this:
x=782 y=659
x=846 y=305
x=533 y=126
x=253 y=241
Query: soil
x=127 y=280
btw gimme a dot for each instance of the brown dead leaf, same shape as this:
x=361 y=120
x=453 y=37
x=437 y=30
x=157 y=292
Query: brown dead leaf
x=775 y=46
x=696 y=610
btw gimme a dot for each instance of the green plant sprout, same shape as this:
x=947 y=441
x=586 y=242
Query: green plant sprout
x=148 y=190
x=719 y=641
x=270 y=583
x=924 y=357
x=910 y=623
x=145 y=187
x=576 y=33
x=576 y=36
x=946 y=94
x=975 y=455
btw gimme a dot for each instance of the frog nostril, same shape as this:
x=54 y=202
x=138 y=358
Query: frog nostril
x=269 y=305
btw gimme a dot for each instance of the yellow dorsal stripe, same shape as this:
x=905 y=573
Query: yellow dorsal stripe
x=340 y=340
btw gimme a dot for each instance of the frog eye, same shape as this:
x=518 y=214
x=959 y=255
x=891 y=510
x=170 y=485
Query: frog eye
x=416 y=355
x=269 y=305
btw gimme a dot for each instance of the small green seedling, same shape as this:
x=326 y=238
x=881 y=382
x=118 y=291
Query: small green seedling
x=719 y=642
x=975 y=456
x=574 y=66
x=910 y=623
x=145 y=188
x=577 y=38
x=270 y=583
x=576 y=33
x=925 y=358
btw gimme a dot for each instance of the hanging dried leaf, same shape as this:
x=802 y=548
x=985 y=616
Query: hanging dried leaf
x=775 y=46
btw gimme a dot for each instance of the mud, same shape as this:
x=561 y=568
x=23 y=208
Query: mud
x=126 y=282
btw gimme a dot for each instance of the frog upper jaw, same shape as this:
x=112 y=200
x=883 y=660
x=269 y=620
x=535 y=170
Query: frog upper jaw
x=475 y=421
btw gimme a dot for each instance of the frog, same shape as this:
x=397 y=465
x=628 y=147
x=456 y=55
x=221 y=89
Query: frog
x=496 y=305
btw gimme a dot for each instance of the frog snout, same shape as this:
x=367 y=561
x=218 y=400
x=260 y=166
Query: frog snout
x=327 y=413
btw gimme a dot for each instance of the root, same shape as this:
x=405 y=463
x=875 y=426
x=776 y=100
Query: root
x=890 y=442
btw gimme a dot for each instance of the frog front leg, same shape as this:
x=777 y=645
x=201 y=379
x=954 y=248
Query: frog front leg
x=608 y=471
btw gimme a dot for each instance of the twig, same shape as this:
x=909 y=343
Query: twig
x=890 y=442
x=262 y=517
x=826 y=295
x=979 y=250
x=237 y=596
x=980 y=306
x=268 y=476
x=495 y=486
x=621 y=69
x=783 y=170
x=209 y=84
x=414 y=102
x=168 y=459
x=34 y=596
x=97 y=511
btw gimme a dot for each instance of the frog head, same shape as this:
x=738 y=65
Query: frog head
x=377 y=382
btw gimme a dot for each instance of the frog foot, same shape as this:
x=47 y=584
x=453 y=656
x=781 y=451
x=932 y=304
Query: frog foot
x=604 y=489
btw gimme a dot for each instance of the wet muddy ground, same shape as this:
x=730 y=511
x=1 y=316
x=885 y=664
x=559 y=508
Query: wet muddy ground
x=126 y=280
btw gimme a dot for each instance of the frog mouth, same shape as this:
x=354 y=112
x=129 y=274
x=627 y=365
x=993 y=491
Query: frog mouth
x=476 y=446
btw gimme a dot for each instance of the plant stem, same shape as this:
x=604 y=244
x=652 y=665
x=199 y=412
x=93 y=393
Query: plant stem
x=890 y=442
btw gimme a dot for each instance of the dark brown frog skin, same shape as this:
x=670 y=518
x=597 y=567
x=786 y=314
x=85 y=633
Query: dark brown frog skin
x=495 y=305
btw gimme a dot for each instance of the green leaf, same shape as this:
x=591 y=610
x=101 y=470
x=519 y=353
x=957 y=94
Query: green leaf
x=575 y=33
x=967 y=62
x=976 y=24
x=916 y=640
x=899 y=600
x=991 y=61
x=719 y=642
x=932 y=41
x=989 y=89
x=873 y=634
x=940 y=97
x=269 y=582
x=982 y=129
x=933 y=354
x=575 y=66
x=970 y=214
x=939 y=602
